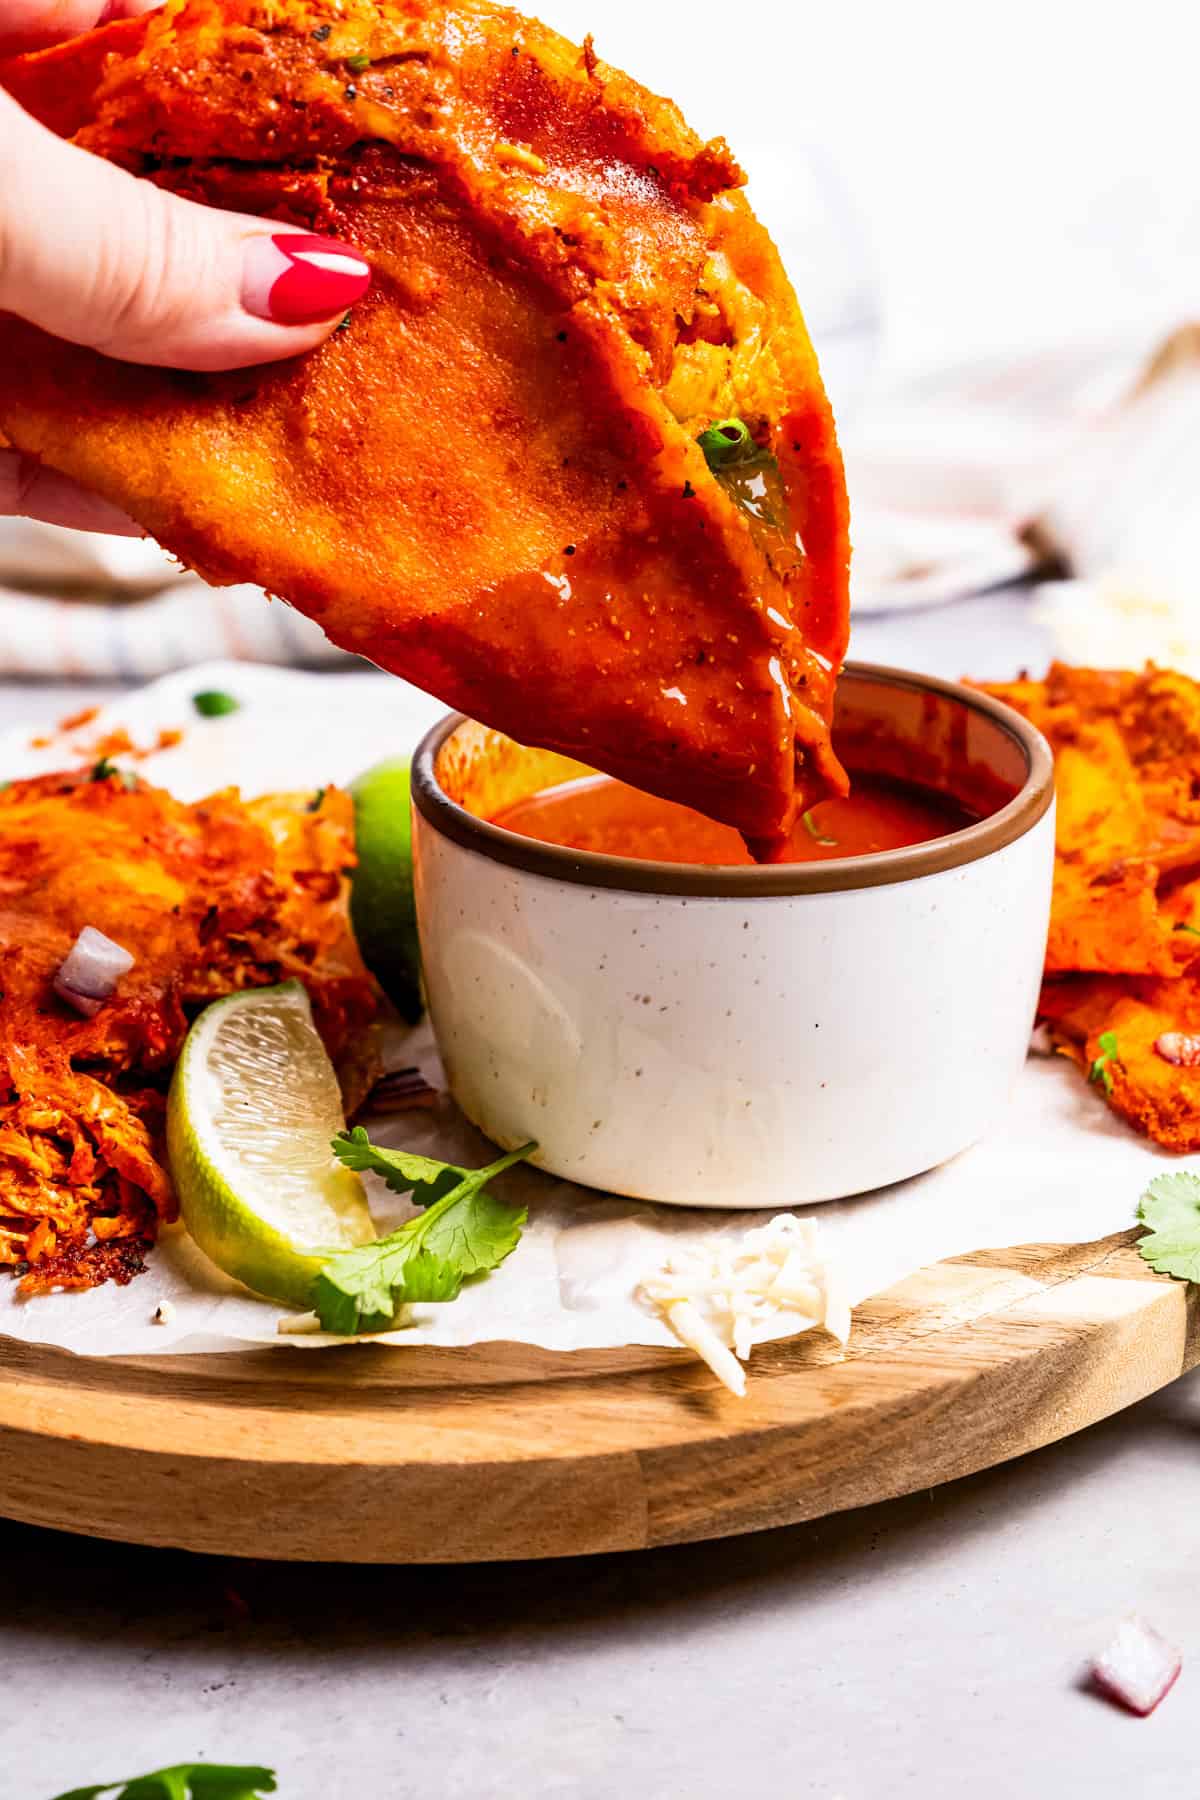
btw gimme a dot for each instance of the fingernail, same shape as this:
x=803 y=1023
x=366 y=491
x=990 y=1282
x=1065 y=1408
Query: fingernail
x=293 y=278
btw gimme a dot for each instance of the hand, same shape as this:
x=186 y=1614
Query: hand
x=93 y=255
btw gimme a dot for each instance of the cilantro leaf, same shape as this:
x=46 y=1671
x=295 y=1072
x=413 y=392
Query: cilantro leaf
x=105 y=770
x=1170 y=1210
x=1191 y=930
x=1110 y=1056
x=185 y=1781
x=463 y=1232
x=213 y=704
x=421 y=1176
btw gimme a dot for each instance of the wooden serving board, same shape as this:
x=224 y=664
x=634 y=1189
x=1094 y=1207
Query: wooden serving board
x=502 y=1452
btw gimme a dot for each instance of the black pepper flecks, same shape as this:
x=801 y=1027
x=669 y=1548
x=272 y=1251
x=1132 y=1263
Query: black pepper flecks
x=352 y=92
x=322 y=32
x=689 y=492
x=570 y=550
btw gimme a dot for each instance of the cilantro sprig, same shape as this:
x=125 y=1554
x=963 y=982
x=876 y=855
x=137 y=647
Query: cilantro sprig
x=185 y=1781
x=463 y=1231
x=1170 y=1211
x=1109 y=1058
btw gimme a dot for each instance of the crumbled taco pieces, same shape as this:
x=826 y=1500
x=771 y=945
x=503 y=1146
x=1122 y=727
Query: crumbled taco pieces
x=1122 y=995
x=207 y=899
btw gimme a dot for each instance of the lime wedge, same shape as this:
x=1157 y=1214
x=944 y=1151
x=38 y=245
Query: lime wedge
x=254 y=1103
x=382 y=909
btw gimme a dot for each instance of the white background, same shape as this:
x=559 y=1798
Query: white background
x=1026 y=171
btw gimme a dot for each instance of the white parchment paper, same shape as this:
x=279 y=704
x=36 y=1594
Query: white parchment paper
x=1061 y=1169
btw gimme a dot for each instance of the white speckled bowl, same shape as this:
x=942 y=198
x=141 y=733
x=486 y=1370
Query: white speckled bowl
x=747 y=1036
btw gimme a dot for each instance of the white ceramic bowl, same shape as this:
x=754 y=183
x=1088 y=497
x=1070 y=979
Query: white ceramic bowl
x=739 y=1037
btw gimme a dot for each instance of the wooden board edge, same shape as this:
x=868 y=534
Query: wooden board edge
x=933 y=1408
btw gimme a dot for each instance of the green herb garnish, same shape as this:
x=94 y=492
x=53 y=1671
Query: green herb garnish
x=818 y=836
x=108 y=771
x=463 y=1232
x=358 y=63
x=1170 y=1211
x=318 y=800
x=213 y=704
x=185 y=1781
x=727 y=443
x=1190 y=929
x=1109 y=1057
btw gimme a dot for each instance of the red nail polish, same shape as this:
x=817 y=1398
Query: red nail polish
x=308 y=277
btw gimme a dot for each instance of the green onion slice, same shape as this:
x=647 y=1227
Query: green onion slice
x=726 y=443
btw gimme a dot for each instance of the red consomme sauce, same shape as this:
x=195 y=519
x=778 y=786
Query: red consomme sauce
x=610 y=818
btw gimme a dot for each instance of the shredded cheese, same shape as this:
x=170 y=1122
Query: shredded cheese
x=726 y=1294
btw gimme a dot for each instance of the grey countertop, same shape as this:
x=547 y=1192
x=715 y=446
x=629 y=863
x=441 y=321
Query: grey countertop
x=933 y=1646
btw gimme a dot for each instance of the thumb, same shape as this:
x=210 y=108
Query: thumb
x=96 y=256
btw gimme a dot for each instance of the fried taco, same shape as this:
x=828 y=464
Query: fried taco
x=569 y=465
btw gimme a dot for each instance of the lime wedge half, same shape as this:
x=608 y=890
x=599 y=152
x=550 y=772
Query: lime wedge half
x=382 y=909
x=254 y=1103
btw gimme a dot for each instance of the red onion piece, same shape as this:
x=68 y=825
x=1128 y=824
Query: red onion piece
x=1138 y=1669
x=1180 y=1048
x=89 y=974
x=83 y=1003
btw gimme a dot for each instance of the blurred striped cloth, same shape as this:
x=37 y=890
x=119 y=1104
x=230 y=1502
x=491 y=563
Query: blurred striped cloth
x=1066 y=458
x=76 y=606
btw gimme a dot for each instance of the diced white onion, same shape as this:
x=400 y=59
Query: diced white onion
x=89 y=973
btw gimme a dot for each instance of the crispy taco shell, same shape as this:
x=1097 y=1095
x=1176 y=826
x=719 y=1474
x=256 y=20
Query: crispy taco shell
x=489 y=481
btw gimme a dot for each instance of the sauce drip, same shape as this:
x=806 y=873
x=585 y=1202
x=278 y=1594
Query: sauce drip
x=613 y=819
x=756 y=488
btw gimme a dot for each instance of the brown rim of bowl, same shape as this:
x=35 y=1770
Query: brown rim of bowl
x=589 y=868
